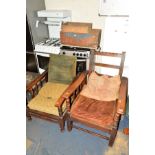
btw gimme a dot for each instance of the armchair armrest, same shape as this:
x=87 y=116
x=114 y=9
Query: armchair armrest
x=75 y=84
x=33 y=87
x=121 y=102
x=70 y=89
x=29 y=87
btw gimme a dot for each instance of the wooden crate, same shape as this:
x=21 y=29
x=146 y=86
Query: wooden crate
x=89 y=40
x=76 y=27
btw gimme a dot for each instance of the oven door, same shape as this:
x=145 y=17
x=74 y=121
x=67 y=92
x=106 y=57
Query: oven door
x=81 y=65
x=42 y=61
x=31 y=62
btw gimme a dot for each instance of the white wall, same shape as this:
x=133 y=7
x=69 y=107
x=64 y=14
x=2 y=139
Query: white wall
x=82 y=11
x=87 y=11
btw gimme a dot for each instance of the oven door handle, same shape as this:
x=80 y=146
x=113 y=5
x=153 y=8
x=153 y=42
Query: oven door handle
x=81 y=60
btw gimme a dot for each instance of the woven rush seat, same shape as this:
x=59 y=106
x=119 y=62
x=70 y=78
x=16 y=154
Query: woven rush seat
x=47 y=97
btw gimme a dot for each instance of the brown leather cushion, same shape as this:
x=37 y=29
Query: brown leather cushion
x=102 y=88
x=93 y=111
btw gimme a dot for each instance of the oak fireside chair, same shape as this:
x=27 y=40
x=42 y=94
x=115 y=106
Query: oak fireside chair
x=47 y=90
x=100 y=109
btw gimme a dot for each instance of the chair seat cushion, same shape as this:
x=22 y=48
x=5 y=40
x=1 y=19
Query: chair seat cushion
x=102 y=88
x=47 y=97
x=95 y=112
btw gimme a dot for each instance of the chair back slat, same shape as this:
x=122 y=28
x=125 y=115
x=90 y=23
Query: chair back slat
x=111 y=54
x=119 y=66
x=107 y=65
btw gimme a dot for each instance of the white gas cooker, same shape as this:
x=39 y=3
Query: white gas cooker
x=49 y=46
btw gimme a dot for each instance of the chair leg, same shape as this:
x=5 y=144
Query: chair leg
x=69 y=124
x=62 y=125
x=28 y=115
x=112 y=137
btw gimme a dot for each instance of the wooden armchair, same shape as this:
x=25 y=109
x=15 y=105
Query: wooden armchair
x=94 y=113
x=47 y=90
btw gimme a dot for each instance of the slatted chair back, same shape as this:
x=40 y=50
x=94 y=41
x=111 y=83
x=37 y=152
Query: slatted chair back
x=119 y=66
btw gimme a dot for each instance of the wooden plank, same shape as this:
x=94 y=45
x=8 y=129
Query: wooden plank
x=107 y=65
x=91 y=132
x=111 y=54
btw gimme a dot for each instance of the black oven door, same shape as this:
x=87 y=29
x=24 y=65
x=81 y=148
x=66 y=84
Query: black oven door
x=81 y=65
x=43 y=62
x=31 y=62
